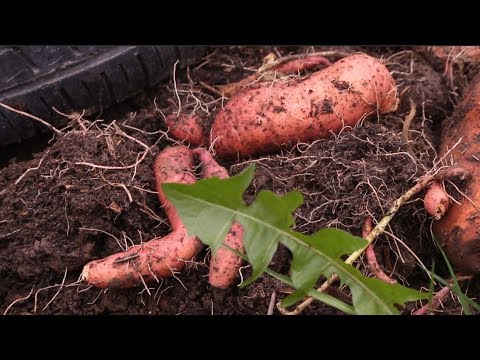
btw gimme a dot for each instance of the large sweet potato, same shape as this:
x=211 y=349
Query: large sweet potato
x=459 y=230
x=268 y=115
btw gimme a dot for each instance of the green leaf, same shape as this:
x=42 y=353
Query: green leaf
x=325 y=298
x=209 y=207
x=202 y=208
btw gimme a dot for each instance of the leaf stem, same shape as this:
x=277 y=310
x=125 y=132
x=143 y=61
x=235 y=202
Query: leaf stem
x=325 y=298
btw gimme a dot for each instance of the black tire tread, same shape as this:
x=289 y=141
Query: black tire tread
x=76 y=78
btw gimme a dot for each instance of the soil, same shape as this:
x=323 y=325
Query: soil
x=61 y=204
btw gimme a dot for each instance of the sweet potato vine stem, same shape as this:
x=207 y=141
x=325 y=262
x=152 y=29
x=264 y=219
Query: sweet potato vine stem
x=377 y=231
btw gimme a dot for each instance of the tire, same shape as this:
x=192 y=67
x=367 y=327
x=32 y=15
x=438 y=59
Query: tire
x=76 y=78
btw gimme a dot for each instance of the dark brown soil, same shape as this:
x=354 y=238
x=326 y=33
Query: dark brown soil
x=57 y=214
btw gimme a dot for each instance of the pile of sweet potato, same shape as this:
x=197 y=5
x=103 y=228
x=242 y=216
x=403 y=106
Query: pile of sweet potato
x=265 y=116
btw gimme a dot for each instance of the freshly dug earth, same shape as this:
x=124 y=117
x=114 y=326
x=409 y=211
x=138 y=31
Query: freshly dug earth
x=90 y=193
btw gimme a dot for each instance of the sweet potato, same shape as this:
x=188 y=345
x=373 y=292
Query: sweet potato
x=224 y=265
x=159 y=257
x=286 y=68
x=448 y=56
x=268 y=115
x=187 y=127
x=296 y=65
x=458 y=230
x=173 y=165
x=436 y=201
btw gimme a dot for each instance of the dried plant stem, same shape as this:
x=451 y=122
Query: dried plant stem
x=406 y=126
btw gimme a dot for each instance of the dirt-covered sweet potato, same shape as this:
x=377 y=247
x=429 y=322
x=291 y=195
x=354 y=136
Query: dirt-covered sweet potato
x=267 y=115
x=458 y=231
x=159 y=257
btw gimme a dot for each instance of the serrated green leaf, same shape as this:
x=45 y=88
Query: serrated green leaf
x=208 y=216
x=209 y=207
x=370 y=296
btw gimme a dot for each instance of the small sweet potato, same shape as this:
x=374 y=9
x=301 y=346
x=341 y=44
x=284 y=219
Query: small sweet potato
x=187 y=127
x=436 y=200
x=157 y=258
x=224 y=265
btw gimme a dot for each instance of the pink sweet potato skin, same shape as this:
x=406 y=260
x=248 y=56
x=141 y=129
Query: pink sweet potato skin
x=436 y=201
x=187 y=127
x=159 y=257
x=224 y=265
x=173 y=165
x=265 y=116
x=297 y=65
x=458 y=231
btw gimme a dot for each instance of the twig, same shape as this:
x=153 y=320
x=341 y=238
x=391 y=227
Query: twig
x=210 y=88
x=96 y=298
x=66 y=215
x=143 y=281
x=106 y=233
x=75 y=116
x=271 y=306
x=123 y=186
x=146 y=210
x=104 y=167
x=43 y=122
x=283 y=59
x=464 y=195
x=406 y=126
x=175 y=86
x=10 y=233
